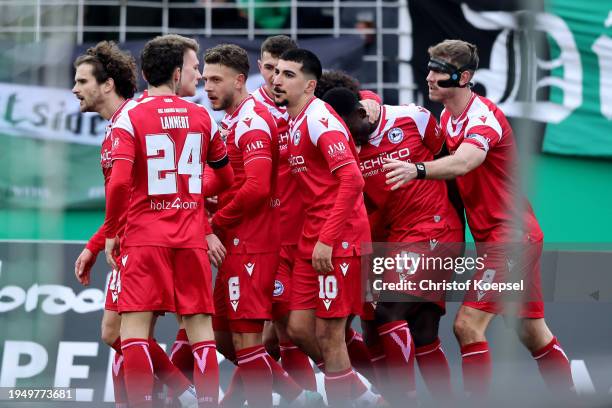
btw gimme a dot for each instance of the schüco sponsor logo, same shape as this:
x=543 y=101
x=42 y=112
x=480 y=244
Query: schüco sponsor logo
x=401 y=154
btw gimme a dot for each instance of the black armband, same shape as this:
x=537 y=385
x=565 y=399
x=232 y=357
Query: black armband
x=219 y=163
x=421 y=172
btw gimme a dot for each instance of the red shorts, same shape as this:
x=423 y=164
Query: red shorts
x=500 y=267
x=176 y=280
x=112 y=294
x=336 y=294
x=441 y=245
x=244 y=287
x=281 y=297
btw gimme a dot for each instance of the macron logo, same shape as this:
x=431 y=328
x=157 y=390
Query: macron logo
x=483 y=119
x=234 y=304
x=324 y=122
x=249 y=268
x=327 y=303
x=247 y=121
x=344 y=268
x=124 y=260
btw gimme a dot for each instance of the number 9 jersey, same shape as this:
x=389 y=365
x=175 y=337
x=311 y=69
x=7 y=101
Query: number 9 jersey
x=168 y=139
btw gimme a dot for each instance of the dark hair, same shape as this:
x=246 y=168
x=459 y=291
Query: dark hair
x=457 y=52
x=229 y=55
x=310 y=62
x=162 y=55
x=278 y=44
x=343 y=100
x=109 y=61
x=336 y=78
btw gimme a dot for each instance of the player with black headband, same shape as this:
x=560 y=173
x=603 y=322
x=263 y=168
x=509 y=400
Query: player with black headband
x=483 y=160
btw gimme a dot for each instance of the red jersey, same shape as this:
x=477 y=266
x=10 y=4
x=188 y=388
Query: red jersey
x=98 y=240
x=408 y=133
x=291 y=211
x=319 y=144
x=168 y=139
x=251 y=135
x=489 y=191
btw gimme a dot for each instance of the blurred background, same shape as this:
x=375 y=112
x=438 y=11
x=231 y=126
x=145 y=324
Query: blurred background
x=547 y=64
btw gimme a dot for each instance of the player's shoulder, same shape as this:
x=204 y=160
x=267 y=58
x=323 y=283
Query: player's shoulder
x=252 y=116
x=407 y=115
x=321 y=118
x=483 y=112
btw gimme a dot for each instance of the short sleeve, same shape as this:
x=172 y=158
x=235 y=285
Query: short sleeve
x=432 y=138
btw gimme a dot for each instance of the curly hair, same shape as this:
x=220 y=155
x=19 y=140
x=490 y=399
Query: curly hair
x=109 y=61
x=162 y=55
x=229 y=55
x=336 y=79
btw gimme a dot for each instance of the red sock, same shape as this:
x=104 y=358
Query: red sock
x=138 y=369
x=166 y=371
x=282 y=381
x=359 y=354
x=399 y=351
x=379 y=363
x=256 y=376
x=554 y=366
x=181 y=355
x=297 y=364
x=119 y=381
x=234 y=396
x=339 y=387
x=476 y=366
x=206 y=373
x=434 y=369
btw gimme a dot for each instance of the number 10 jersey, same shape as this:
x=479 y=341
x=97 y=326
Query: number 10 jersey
x=168 y=139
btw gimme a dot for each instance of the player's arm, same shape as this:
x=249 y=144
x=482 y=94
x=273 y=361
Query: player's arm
x=218 y=175
x=87 y=258
x=116 y=205
x=255 y=192
x=350 y=187
x=217 y=180
x=119 y=185
x=466 y=158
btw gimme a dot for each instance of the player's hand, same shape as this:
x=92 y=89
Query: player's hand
x=322 y=258
x=111 y=249
x=83 y=265
x=216 y=250
x=399 y=172
x=372 y=108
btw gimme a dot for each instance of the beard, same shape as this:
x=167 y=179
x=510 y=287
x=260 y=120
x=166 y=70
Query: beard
x=278 y=98
x=225 y=103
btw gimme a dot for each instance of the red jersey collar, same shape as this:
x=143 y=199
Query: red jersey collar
x=303 y=111
x=118 y=111
x=235 y=113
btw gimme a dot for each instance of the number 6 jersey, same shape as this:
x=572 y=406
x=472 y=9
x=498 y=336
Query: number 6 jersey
x=168 y=139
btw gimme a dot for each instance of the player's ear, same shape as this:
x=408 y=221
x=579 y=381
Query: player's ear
x=311 y=85
x=240 y=81
x=109 y=85
x=176 y=74
x=466 y=76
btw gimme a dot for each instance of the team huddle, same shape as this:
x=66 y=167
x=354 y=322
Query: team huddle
x=284 y=197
